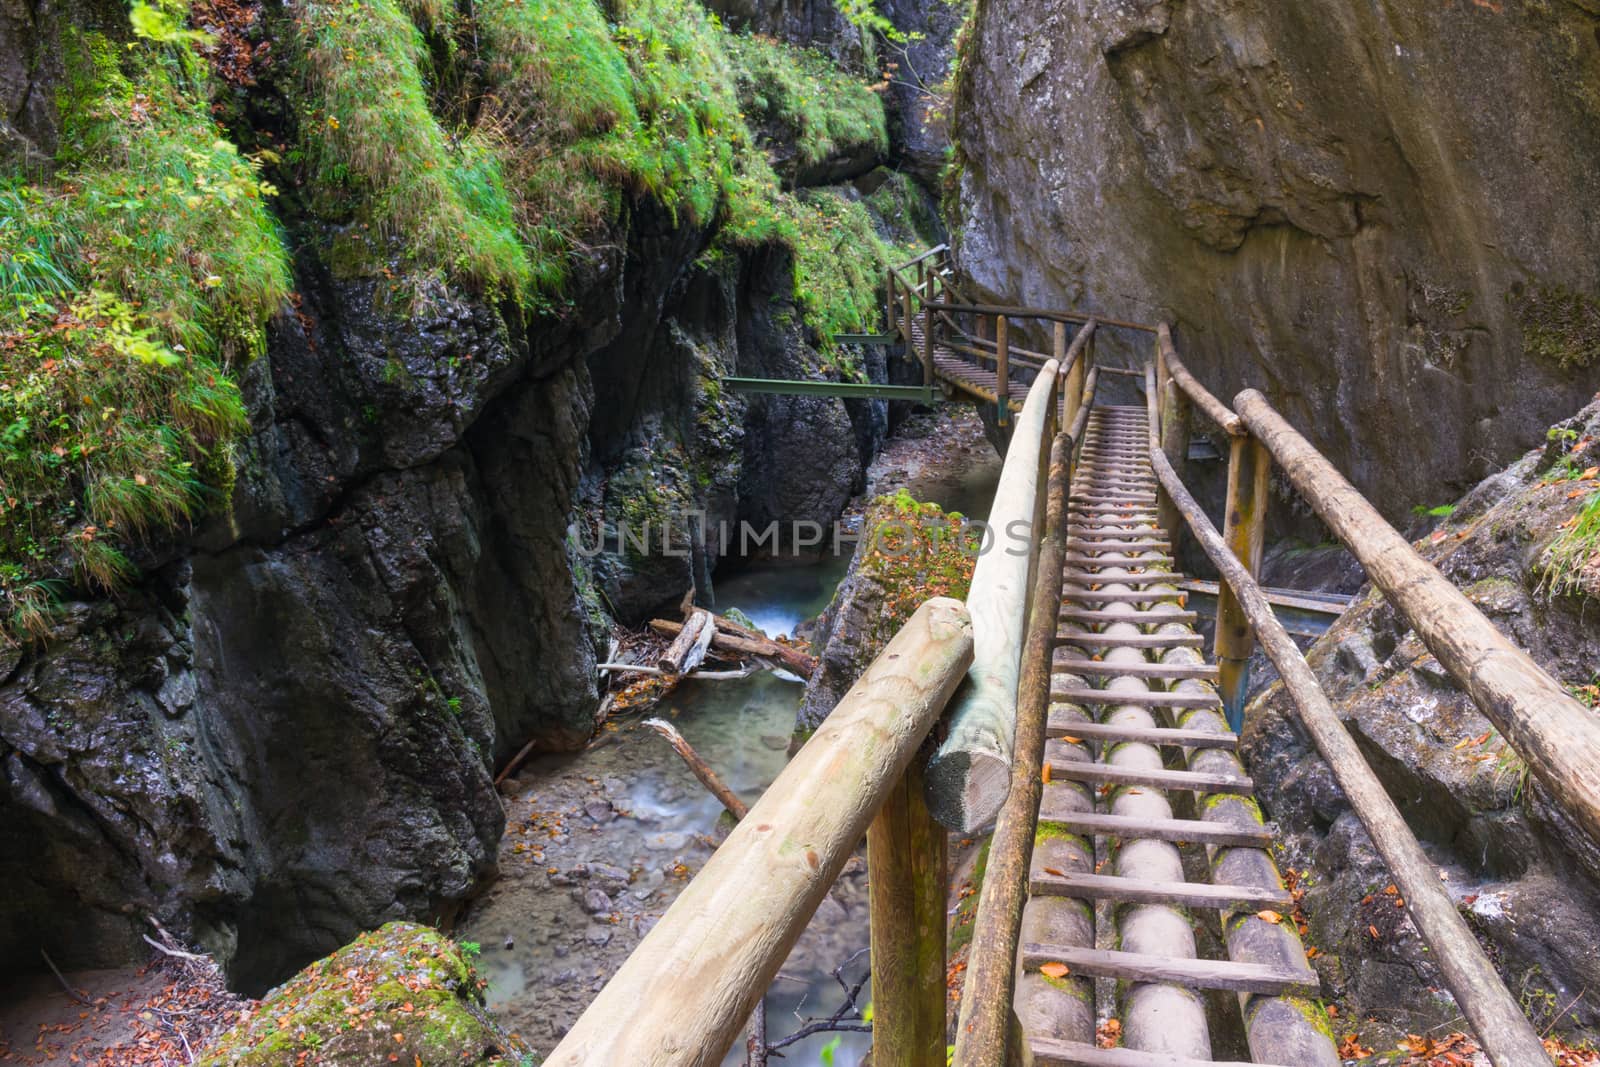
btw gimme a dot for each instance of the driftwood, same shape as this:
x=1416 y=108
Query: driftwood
x=701 y=769
x=689 y=647
x=791 y=658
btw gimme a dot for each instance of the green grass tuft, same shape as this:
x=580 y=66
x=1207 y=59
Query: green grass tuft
x=1571 y=563
x=132 y=281
x=806 y=99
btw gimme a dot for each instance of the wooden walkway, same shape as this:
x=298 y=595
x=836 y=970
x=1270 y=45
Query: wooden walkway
x=962 y=373
x=1144 y=797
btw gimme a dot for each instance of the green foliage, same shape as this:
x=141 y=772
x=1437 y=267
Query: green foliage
x=1443 y=511
x=1571 y=563
x=373 y=141
x=809 y=100
x=588 y=111
x=130 y=284
x=916 y=551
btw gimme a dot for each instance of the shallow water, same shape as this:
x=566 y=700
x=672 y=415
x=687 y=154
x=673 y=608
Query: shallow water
x=626 y=819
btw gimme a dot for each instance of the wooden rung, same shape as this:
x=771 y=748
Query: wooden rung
x=1089 y=640
x=1128 y=827
x=1140 y=618
x=1048 y=1052
x=1112 y=533
x=1118 y=596
x=1171 y=671
x=1148 y=578
x=1150 y=698
x=1197 y=974
x=1144 y=735
x=1194 y=781
x=1140 y=891
x=1120 y=561
x=1117 y=546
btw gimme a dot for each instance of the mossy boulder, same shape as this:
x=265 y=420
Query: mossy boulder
x=400 y=994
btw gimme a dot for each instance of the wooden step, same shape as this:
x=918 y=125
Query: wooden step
x=1117 y=596
x=1147 y=578
x=1049 y=1052
x=1113 y=533
x=1094 y=545
x=1192 y=781
x=1196 y=974
x=1137 y=617
x=1128 y=828
x=1139 y=891
x=1171 y=671
x=1150 y=698
x=1143 y=735
x=1092 y=640
x=1119 y=561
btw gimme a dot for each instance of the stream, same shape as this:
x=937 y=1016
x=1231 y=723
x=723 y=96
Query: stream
x=599 y=843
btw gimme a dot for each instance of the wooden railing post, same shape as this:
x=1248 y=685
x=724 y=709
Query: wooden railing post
x=1175 y=408
x=891 y=304
x=1058 y=349
x=908 y=890
x=1074 y=386
x=1002 y=391
x=911 y=344
x=927 y=344
x=1244 y=529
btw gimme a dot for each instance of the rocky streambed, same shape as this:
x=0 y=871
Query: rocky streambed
x=599 y=843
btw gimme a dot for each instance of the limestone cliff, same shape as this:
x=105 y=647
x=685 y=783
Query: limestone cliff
x=1381 y=215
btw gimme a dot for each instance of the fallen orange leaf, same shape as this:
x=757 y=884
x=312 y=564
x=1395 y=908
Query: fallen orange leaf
x=1269 y=916
x=1055 y=970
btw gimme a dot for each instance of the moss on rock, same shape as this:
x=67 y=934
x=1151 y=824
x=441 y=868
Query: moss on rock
x=400 y=994
x=1559 y=325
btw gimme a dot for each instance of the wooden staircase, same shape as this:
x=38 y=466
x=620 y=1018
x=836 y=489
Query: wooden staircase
x=1144 y=796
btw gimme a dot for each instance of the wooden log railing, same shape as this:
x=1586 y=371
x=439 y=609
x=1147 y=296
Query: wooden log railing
x=969 y=776
x=1551 y=730
x=683 y=995
x=1502 y=1029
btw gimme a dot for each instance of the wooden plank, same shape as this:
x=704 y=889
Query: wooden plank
x=1196 y=974
x=1103 y=545
x=1137 y=617
x=1192 y=781
x=1113 y=533
x=1140 y=891
x=1148 y=578
x=1204 y=671
x=1048 y=1052
x=1331 y=604
x=736 y=921
x=1150 y=698
x=1120 y=561
x=1092 y=640
x=1117 y=596
x=1129 y=828
x=1496 y=1017
x=1144 y=735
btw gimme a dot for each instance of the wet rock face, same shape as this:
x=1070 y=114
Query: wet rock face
x=1527 y=881
x=1377 y=217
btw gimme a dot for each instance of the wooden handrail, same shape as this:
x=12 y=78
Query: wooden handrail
x=1556 y=735
x=682 y=996
x=1501 y=1027
x=1202 y=397
x=982 y=1034
x=1039 y=313
x=935 y=250
x=970 y=775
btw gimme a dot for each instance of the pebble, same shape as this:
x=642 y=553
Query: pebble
x=671 y=841
x=598 y=935
x=600 y=810
x=595 y=902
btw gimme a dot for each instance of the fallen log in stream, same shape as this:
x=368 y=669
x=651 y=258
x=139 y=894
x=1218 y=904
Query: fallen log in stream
x=733 y=638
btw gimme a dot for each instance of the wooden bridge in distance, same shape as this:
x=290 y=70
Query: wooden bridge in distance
x=1085 y=722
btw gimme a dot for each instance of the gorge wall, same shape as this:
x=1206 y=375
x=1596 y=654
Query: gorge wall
x=277 y=725
x=1382 y=215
